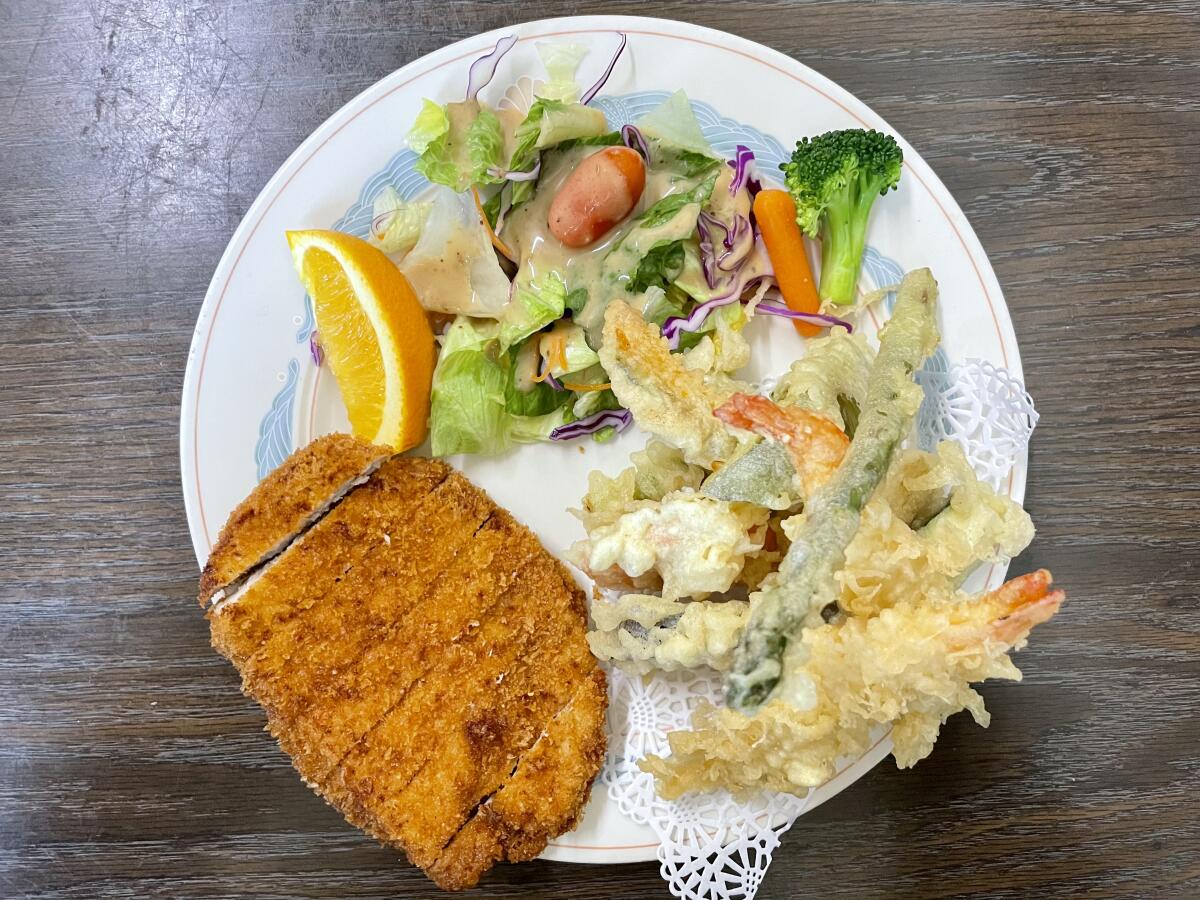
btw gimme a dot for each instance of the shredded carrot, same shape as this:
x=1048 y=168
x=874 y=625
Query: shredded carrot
x=558 y=350
x=496 y=242
x=584 y=388
x=776 y=215
x=553 y=346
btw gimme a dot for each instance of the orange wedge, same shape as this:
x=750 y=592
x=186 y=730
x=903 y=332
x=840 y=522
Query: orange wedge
x=374 y=334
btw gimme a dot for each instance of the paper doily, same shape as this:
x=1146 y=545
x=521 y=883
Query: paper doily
x=712 y=847
x=982 y=407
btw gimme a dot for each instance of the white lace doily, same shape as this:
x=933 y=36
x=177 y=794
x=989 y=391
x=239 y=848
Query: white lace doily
x=982 y=407
x=712 y=847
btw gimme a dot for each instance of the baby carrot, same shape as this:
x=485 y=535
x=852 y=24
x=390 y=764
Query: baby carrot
x=776 y=215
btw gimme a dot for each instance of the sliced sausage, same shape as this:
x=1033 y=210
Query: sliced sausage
x=602 y=191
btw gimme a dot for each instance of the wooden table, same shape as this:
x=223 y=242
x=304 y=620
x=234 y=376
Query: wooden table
x=133 y=136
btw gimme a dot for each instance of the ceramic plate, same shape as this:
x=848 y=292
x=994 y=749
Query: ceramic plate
x=252 y=394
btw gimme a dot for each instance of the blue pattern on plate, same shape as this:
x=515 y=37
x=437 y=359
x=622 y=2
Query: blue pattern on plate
x=276 y=429
x=883 y=272
x=723 y=134
x=401 y=173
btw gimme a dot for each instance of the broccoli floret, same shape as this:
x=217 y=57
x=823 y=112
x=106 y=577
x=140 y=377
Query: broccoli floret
x=834 y=179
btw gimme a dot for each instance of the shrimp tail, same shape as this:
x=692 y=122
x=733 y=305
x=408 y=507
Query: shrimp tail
x=751 y=412
x=815 y=444
x=1021 y=604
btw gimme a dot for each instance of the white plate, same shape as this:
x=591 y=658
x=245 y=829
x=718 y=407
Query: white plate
x=251 y=394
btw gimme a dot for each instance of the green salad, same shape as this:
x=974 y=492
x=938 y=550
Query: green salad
x=537 y=221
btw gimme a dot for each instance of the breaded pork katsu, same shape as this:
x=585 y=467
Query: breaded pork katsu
x=418 y=653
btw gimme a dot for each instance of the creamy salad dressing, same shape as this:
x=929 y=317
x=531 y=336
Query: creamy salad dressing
x=625 y=258
x=526 y=229
x=460 y=115
x=602 y=268
x=726 y=206
x=452 y=267
x=510 y=117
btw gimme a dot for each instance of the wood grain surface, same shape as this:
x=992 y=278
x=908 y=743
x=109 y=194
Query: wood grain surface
x=134 y=135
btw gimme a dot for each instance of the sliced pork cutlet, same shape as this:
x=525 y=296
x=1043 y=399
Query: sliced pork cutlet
x=543 y=798
x=418 y=651
x=455 y=737
x=284 y=504
x=408 y=547
x=314 y=565
x=325 y=719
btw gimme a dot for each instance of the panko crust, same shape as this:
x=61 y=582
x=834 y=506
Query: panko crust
x=544 y=797
x=423 y=660
x=284 y=503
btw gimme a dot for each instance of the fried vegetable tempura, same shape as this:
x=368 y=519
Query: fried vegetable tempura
x=830 y=379
x=831 y=516
x=641 y=632
x=911 y=666
x=815 y=444
x=668 y=399
x=697 y=545
x=855 y=622
x=928 y=525
x=656 y=471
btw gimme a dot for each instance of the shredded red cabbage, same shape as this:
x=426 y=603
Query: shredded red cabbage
x=743 y=172
x=314 y=349
x=708 y=259
x=554 y=383
x=633 y=139
x=483 y=70
x=675 y=326
x=816 y=318
x=379 y=223
x=620 y=419
x=737 y=242
x=612 y=64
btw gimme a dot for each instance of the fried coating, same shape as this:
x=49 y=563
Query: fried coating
x=315 y=563
x=832 y=514
x=375 y=595
x=698 y=545
x=284 y=504
x=657 y=470
x=643 y=632
x=349 y=701
x=831 y=378
x=911 y=666
x=543 y=798
x=889 y=560
x=411 y=649
x=815 y=444
x=455 y=737
x=667 y=399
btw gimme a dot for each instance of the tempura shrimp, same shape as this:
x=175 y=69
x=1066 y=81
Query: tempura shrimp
x=1013 y=609
x=910 y=667
x=815 y=444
